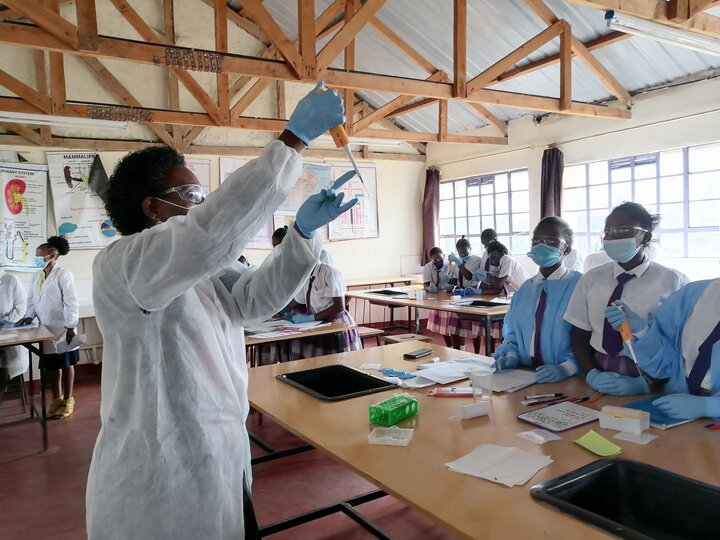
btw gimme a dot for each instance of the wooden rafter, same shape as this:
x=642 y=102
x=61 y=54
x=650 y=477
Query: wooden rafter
x=349 y=63
x=460 y=48
x=442 y=121
x=173 y=84
x=222 y=81
x=306 y=26
x=429 y=137
x=248 y=98
x=244 y=23
x=86 y=24
x=41 y=83
x=565 y=67
x=25 y=132
x=57 y=82
x=38 y=99
x=412 y=107
x=47 y=19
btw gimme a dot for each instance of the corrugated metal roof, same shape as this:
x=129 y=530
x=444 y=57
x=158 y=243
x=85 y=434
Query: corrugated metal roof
x=496 y=28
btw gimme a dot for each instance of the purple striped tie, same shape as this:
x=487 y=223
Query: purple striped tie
x=307 y=295
x=487 y=264
x=702 y=362
x=611 y=340
x=537 y=358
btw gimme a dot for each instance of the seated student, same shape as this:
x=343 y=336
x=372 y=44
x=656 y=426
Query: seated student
x=436 y=277
x=322 y=298
x=466 y=265
x=640 y=283
x=278 y=235
x=682 y=344
x=506 y=274
x=487 y=236
x=535 y=334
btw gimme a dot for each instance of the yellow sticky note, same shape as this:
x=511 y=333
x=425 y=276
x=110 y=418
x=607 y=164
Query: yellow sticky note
x=598 y=444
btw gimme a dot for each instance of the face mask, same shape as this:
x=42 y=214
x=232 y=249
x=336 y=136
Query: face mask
x=439 y=264
x=621 y=250
x=545 y=256
x=494 y=261
x=40 y=262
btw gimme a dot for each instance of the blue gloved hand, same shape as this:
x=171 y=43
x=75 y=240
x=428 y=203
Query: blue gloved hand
x=454 y=258
x=432 y=288
x=509 y=361
x=683 y=406
x=322 y=208
x=617 y=314
x=549 y=373
x=480 y=275
x=315 y=114
x=444 y=278
x=302 y=318
x=614 y=384
x=447 y=287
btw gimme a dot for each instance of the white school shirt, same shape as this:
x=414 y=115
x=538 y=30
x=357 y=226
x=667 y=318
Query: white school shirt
x=328 y=284
x=513 y=270
x=700 y=324
x=473 y=264
x=574 y=260
x=643 y=294
x=433 y=275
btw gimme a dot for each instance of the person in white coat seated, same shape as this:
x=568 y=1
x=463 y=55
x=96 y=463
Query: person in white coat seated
x=52 y=299
x=13 y=302
x=172 y=459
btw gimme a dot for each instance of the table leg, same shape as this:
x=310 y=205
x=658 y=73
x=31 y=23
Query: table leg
x=43 y=418
x=417 y=320
x=488 y=336
x=32 y=398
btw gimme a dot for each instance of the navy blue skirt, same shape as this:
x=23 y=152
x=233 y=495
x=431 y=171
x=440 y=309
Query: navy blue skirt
x=50 y=362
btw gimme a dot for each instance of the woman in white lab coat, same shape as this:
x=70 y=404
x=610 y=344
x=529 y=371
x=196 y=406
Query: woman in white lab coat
x=12 y=307
x=52 y=299
x=172 y=459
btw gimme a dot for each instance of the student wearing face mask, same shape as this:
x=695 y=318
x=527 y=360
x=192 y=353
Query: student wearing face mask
x=506 y=274
x=534 y=332
x=52 y=299
x=466 y=267
x=466 y=263
x=13 y=302
x=641 y=284
x=436 y=278
x=681 y=343
x=486 y=237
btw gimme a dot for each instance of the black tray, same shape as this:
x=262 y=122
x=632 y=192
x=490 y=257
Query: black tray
x=635 y=500
x=484 y=303
x=335 y=383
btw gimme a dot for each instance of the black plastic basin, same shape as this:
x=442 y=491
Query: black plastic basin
x=635 y=500
x=334 y=383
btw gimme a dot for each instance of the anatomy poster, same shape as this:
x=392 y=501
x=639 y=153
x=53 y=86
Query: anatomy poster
x=313 y=178
x=263 y=239
x=24 y=214
x=361 y=221
x=201 y=169
x=80 y=215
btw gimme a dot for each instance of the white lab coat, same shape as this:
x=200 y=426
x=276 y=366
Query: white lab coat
x=173 y=447
x=12 y=308
x=56 y=306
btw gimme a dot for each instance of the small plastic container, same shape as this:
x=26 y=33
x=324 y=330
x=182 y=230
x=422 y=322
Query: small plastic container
x=393 y=410
x=392 y=436
x=624 y=419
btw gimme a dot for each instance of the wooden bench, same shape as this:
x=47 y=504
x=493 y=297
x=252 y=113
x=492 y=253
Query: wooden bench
x=400 y=338
x=367 y=332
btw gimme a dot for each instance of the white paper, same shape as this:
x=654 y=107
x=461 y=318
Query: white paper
x=643 y=438
x=511 y=380
x=505 y=465
x=539 y=436
x=77 y=341
x=561 y=416
x=370 y=366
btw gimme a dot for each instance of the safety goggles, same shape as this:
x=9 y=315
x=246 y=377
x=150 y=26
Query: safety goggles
x=623 y=231
x=552 y=241
x=192 y=193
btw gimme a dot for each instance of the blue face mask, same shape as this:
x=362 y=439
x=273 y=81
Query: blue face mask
x=621 y=250
x=439 y=264
x=545 y=256
x=40 y=262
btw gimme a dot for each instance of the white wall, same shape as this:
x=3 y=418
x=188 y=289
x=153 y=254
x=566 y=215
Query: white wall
x=670 y=118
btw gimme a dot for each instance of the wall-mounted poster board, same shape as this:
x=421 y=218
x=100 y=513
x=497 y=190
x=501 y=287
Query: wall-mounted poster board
x=361 y=221
x=201 y=169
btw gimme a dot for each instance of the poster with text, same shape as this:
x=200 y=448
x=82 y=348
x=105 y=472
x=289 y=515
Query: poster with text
x=24 y=214
x=201 y=169
x=361 y=221
x=80 y=215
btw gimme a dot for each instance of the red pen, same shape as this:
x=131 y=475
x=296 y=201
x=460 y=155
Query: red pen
x=713 y=426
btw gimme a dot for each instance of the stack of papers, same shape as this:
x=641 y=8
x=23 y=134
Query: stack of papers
x=280 y=327
x=505 y=465
x=446 y=372
x=512 y=380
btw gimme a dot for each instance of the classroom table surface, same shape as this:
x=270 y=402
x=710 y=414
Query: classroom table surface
x=35 y=334
x=366 y=282
x=331 y=328
x=468 y=506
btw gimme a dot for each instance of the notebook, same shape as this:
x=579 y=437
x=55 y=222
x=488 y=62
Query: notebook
x=560 y=417
x=658 y=419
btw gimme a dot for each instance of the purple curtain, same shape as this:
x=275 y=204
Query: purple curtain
x=551 y=183
x=431 y=209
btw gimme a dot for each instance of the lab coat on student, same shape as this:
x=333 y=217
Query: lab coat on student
x=12 y=308
x=173 y=449
x=679 y=326
x=56 y=305
x=519 y=324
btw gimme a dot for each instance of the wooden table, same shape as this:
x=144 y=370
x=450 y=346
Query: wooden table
x=440 y=301
x=387 y=280
x=31 y=339
x=251 y=342
x=416 y=474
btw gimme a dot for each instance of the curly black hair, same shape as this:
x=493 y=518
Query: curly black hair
x=566 y=232
x=58 y=244
x=138 y=175
x=279 y=235
x=497 y=246
x=639 y=214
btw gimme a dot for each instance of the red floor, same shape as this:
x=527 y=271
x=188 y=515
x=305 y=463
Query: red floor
x=42 y=494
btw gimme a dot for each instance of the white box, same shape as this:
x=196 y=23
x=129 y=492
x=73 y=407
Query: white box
x=623 y=419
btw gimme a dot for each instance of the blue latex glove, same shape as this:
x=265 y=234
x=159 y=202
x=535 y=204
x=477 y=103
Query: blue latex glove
x=549 y=373
x=447 y=287
x=616 y=316
x=509 y=361
x=454 y=258
x=480 y=275
x=322 y=208
x=614 y=384
x=682 y=406
x=302 y=318
x=444 y=278
x=432 y=288
x=315 y=114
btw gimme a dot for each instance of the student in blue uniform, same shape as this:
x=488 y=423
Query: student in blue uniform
x=632 y=278
x=535 y=334
x=681 y=344
x=436 y=277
